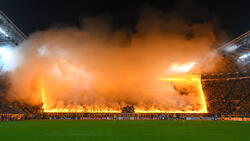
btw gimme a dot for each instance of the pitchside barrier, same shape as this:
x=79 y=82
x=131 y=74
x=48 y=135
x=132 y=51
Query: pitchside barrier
x=237 y=118
x=139 y=116
x=63 y=116
x=126 y=115
x=147 y=118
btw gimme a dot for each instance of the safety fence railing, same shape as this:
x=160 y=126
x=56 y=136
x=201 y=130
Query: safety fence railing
x=137 y=116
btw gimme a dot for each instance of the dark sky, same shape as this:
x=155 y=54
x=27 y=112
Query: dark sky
x=33 y=15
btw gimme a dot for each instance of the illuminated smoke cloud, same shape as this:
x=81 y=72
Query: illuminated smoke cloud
x=97 y=66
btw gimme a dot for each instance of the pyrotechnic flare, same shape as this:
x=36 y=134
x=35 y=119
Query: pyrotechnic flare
x=182 y=84
x=43 y=94
x=186 y=85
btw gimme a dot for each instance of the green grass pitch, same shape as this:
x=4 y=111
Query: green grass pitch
x=143 y=130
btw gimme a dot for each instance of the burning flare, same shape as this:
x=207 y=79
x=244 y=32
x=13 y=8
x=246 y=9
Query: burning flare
x=180 y=83
x=194 y=80
x=187 y=89
x=75 y=109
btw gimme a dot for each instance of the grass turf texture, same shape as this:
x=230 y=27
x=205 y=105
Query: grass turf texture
x=70 y=130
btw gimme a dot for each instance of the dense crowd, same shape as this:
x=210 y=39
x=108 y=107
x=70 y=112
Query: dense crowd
x=229 y=97
x=11 y=117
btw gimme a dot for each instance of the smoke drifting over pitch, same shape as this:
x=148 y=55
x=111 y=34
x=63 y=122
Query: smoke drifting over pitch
x=98 y=66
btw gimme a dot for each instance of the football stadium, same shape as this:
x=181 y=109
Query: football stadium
x=63 y=84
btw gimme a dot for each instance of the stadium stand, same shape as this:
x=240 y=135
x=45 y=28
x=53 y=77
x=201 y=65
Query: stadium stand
x=11 y=36
x=228 y=92
x=230 y=97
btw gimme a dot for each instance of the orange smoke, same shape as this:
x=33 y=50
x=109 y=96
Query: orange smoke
x=193 y=80
x=181 y=81
x=101 y=69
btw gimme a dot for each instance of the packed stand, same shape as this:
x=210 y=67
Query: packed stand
x=228 y=97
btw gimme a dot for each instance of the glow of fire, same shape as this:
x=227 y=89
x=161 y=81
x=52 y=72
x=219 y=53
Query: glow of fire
x=191 y=79
x=44 y=98
x=103 y=109
x=80 y=109
x=182 y=68
x=74 y=109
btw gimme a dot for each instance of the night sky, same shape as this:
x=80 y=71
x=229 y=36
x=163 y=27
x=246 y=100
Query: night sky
x=34 y=15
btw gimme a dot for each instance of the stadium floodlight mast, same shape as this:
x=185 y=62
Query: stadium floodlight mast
x=231 y=48
x=7 y=58
x=3 y=32
x=243 y=58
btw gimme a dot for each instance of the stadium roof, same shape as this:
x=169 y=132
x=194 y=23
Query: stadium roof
x=238 y=49
x=9 y=32
x=238 y=46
